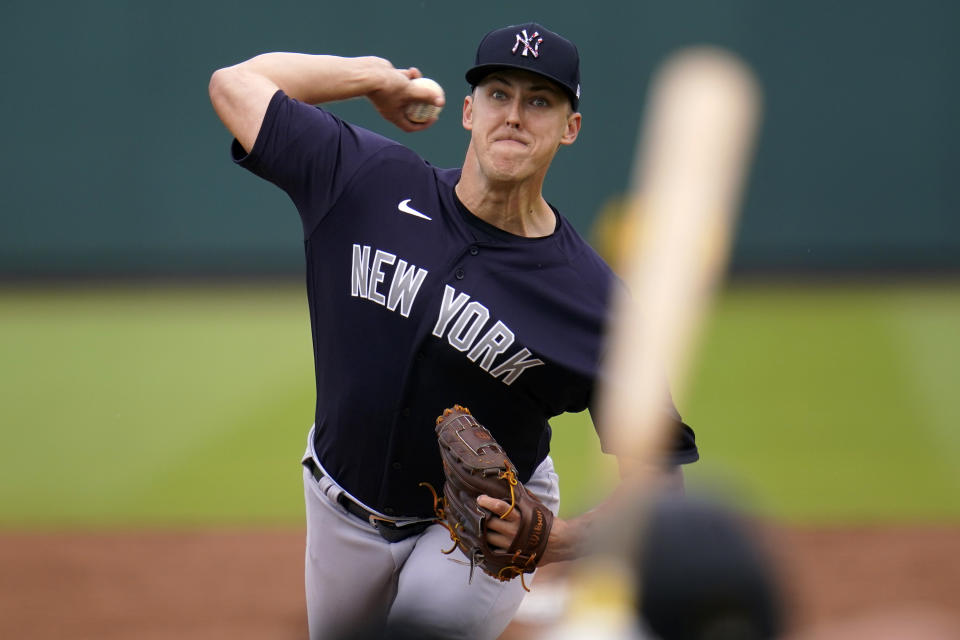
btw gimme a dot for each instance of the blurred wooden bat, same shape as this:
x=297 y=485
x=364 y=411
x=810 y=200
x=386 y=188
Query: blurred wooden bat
x=694 y=150
x=695 y=147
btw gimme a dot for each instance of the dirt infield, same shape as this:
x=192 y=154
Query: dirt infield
x=225 y=584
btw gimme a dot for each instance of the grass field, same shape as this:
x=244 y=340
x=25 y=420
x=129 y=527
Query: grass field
x=173 y=406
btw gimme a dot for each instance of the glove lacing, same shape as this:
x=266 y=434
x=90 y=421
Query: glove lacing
x=511 y=479
x=439 y=510
x=516 y=570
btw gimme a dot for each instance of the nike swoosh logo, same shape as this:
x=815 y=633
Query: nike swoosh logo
x=406 y=208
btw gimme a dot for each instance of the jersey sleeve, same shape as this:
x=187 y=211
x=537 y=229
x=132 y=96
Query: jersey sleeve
x=681 y=445
x=683 y=449
x=309 y=153
x=599 y=286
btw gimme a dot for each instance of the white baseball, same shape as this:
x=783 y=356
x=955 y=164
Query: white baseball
x=422 y=111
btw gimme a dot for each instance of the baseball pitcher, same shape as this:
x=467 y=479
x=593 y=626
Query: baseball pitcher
x=430 y=288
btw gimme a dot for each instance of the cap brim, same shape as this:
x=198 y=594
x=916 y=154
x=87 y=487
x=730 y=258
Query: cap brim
x=476 y=74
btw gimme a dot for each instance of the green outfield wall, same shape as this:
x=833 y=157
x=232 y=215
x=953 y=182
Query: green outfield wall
x=114 y=162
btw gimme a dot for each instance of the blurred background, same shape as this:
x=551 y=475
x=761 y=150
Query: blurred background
x=117 y=165
x=154 y=334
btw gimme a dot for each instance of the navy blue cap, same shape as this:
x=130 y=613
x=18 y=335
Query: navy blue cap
x=531 y=47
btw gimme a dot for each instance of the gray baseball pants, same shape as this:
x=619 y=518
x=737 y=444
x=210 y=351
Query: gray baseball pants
x=355 y=579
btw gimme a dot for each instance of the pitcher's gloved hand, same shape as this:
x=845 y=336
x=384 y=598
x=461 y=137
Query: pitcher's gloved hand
x=475 y=465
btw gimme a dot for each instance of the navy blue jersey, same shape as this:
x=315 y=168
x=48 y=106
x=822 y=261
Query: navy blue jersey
x=416 y=304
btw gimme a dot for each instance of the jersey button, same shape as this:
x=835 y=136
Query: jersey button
x=459 y=274
x=396 y=466
x=405 y=412
x=474 y=251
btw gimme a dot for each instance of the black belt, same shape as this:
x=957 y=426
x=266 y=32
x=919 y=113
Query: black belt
x=388 y=529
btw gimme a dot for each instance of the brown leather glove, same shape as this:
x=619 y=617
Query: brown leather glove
x=474 y=464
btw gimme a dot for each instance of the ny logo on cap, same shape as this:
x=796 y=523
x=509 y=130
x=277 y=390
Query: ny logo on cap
x=530 y=43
